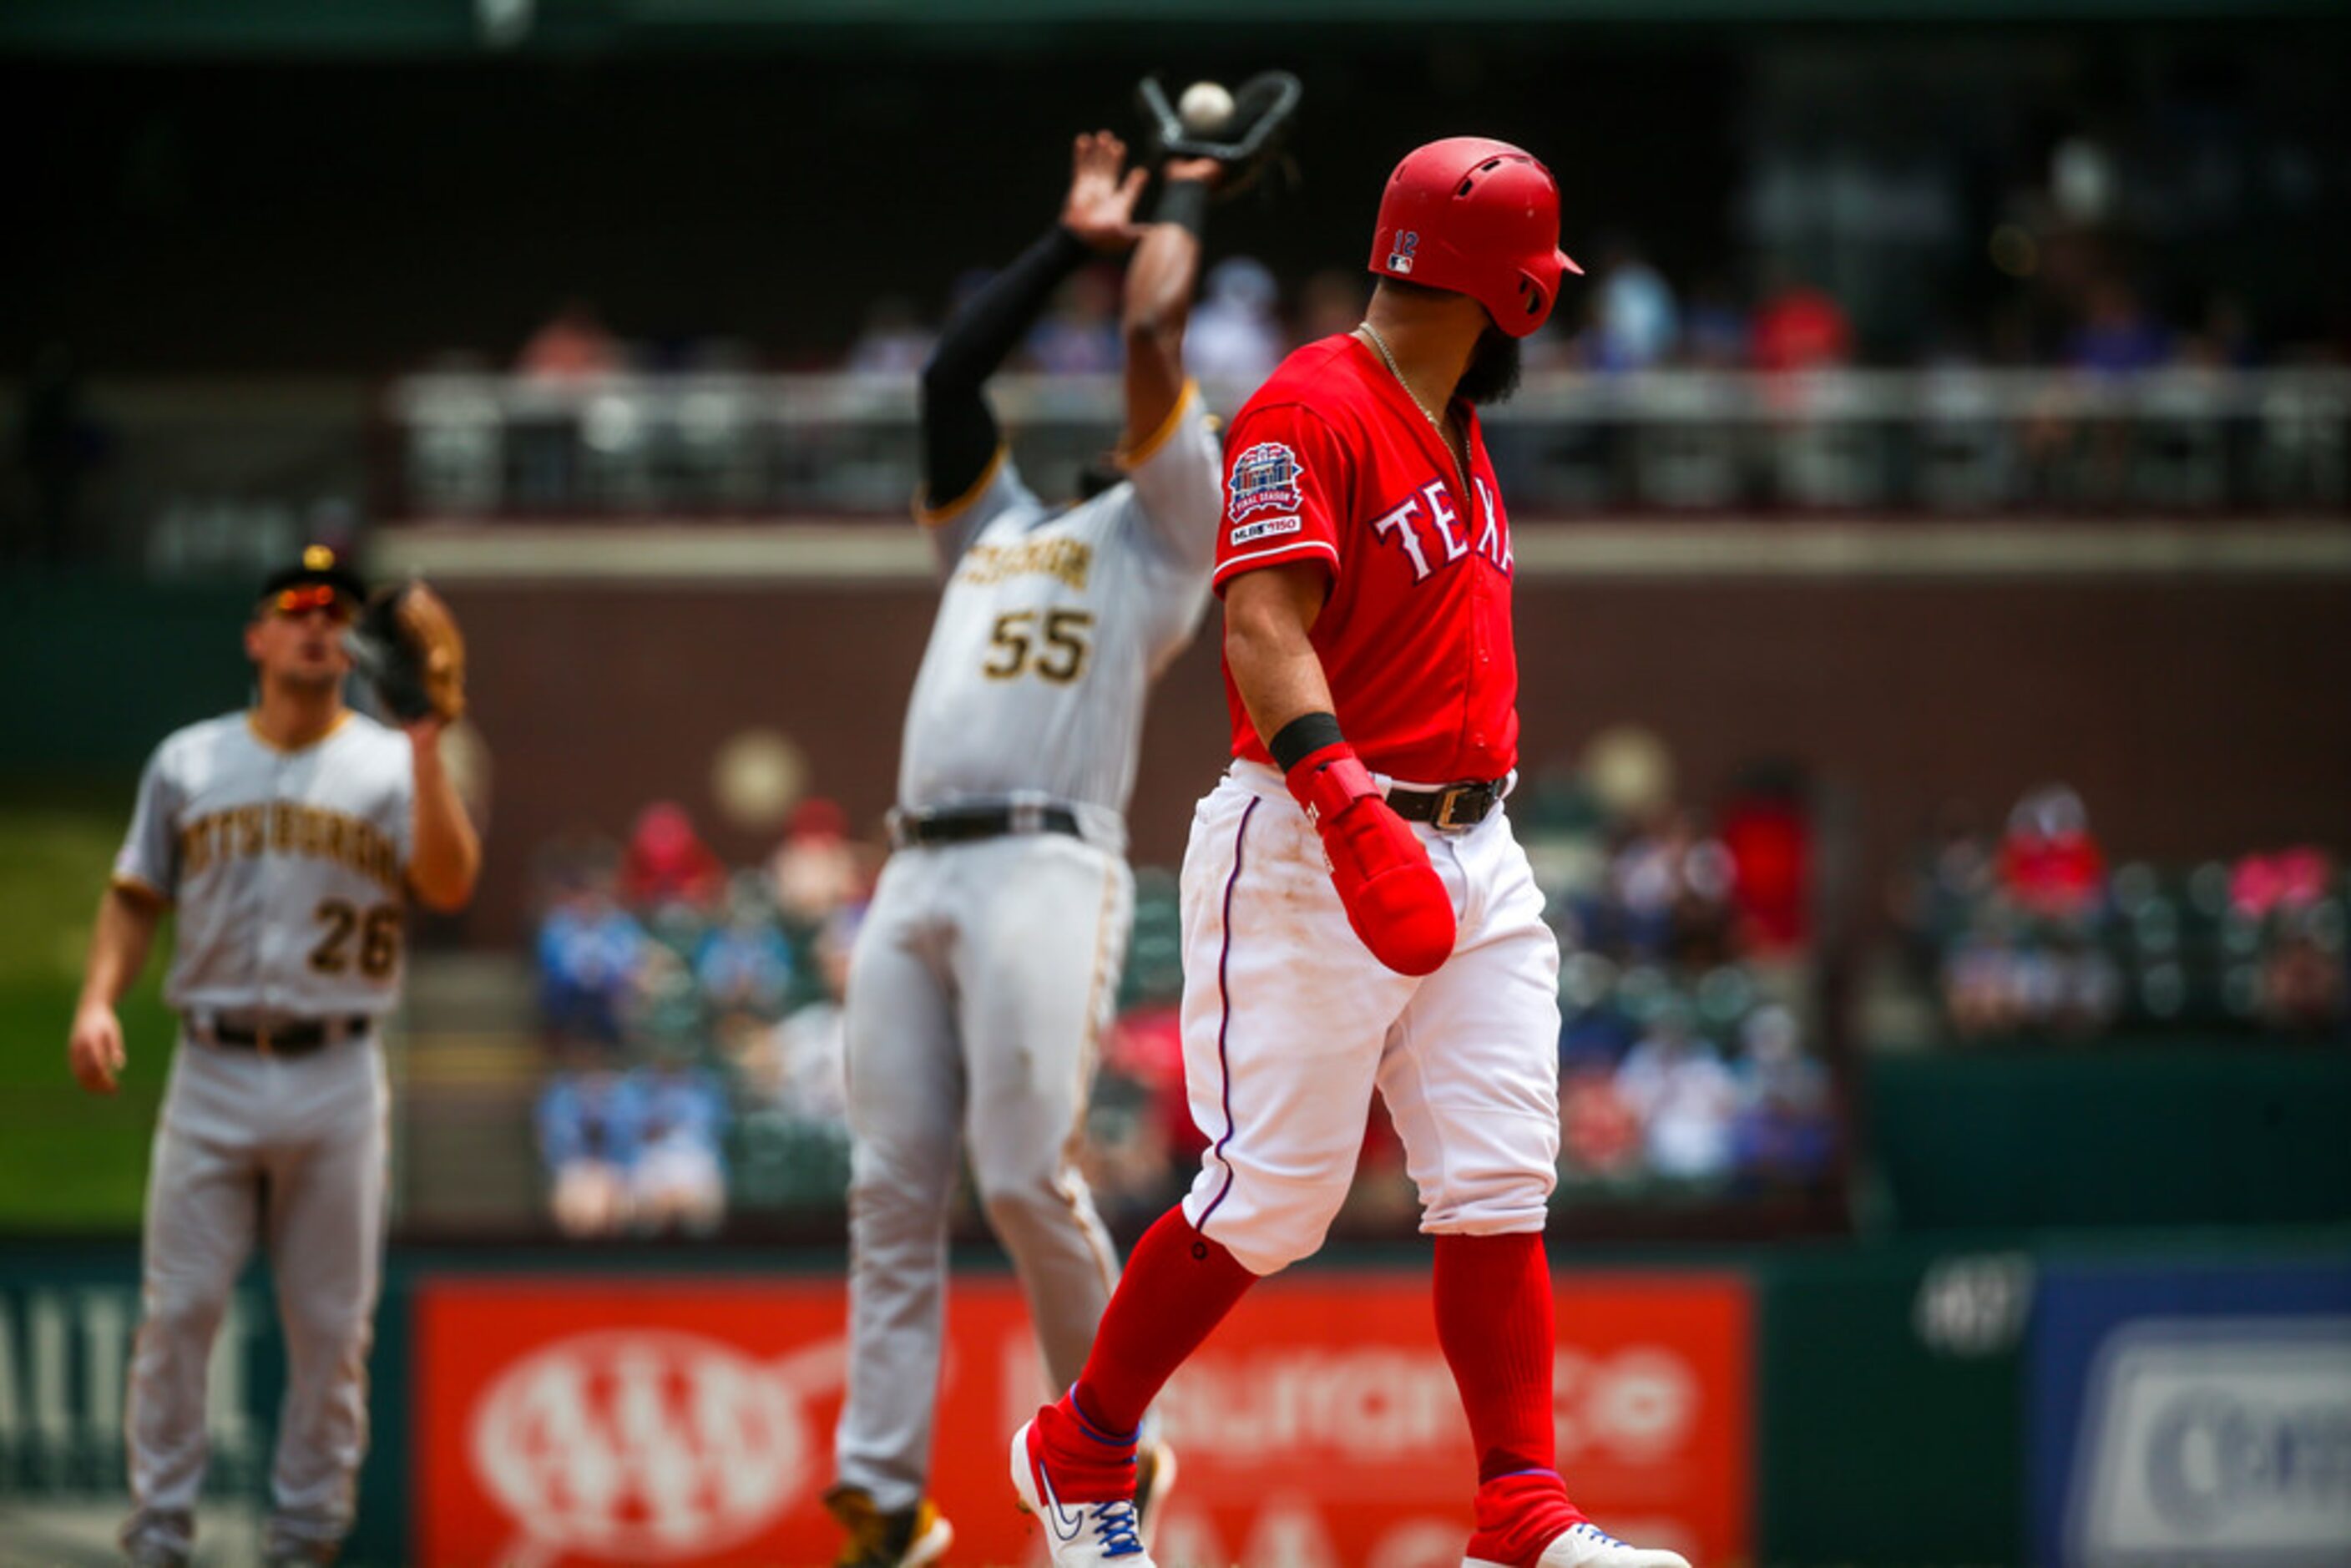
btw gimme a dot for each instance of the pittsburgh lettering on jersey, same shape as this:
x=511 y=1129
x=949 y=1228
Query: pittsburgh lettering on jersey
x=1433 y=535
x=1265 y=480
x=284 y=828
x=1069 y=560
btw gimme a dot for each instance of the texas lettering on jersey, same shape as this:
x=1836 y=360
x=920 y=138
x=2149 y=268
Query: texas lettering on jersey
x=1432 y=536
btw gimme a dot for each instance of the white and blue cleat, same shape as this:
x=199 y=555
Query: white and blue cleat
x=1078 y=1534
x=1589 y=1546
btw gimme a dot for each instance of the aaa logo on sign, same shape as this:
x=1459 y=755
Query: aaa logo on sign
x=647 y=1445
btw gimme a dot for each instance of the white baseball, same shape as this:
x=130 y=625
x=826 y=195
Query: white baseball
x=1205 y=107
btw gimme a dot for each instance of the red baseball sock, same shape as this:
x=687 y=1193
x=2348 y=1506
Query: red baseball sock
x=1520 y=1515
x=1176 y=1287
x=1494 y=1322
x=1088 y=1464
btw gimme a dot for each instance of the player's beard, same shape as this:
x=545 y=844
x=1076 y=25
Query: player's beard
x=1493 y=371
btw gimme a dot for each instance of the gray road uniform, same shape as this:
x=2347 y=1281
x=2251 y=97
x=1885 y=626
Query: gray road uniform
x=289 y=871
x=988 y=962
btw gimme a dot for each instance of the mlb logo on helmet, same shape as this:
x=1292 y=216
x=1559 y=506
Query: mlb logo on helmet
x=1400 y=258
x=1265 y=478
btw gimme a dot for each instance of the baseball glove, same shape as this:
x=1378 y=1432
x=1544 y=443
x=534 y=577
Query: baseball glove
x=408 y=646
x=1249 y=143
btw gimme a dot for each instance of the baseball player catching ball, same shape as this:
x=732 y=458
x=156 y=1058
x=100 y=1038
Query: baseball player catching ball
x=1357 y=915
x=986 y=966
x=289 y=840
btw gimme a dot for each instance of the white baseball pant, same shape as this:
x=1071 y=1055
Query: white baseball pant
x=1289 y=1025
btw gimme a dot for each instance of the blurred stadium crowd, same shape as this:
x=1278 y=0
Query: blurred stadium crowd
x=2082 y=249
x=2075 y=392
x=2097 y=275
x=1634 y=316
x=691 y=1011
x=2030 y=932
x=693 y=1018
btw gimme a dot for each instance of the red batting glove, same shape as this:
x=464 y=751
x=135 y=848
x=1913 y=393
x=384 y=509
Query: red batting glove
x=1393 y=897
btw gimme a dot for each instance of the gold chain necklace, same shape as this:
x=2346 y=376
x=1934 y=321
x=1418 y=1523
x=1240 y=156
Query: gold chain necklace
x=1443 y=434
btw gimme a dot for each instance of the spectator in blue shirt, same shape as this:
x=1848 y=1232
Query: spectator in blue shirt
x=590 y=1122
x=590 y=949
x=680 y=1179
x=745 y=963
x=2115 y=337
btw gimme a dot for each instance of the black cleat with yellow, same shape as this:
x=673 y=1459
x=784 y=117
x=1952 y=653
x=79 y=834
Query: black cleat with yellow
x=903 y=1538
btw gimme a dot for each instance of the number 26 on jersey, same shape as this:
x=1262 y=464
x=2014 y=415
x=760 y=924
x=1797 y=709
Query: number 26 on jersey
x=378 y=940
x=1053 y=643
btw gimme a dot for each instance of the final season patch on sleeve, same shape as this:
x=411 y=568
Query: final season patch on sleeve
x=1264 y=480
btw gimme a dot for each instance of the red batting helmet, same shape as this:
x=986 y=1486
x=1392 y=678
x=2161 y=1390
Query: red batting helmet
x=1479 y=217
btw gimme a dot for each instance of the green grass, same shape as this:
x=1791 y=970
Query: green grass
x=69 y=1161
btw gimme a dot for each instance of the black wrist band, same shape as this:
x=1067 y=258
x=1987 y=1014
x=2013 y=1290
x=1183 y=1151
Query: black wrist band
x=1069 y=253
x=1303 y=737
x=1184 y=201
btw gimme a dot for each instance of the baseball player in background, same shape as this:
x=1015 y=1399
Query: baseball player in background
x=1357 y=915
x=289 y=841
x=987 y=965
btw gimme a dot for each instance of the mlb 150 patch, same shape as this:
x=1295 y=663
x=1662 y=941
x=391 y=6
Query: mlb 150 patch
x=1266 y=529
x=1264 y=480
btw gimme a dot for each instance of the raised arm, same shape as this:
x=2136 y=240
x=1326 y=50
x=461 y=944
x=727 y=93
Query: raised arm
x=959 y=432
x=1159 y=286
x=445 y=857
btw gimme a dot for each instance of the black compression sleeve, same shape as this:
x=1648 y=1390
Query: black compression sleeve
x=995 y=318
x=959 y=434
x=959 y=441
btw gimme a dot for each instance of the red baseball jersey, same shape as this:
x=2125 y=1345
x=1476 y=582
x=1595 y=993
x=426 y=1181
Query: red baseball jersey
x=1333 y=462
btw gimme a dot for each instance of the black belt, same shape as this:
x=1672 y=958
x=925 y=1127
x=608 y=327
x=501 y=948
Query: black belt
x=962 y=824
x=299 y=1036
x=1454 y=806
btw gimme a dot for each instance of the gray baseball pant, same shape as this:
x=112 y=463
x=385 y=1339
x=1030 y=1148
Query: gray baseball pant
x=251 y=1147
x=983 y=977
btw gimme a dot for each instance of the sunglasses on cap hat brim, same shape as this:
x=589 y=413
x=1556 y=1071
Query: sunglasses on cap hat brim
x=303 y=598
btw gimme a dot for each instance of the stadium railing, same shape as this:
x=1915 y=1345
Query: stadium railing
x=1950 y=441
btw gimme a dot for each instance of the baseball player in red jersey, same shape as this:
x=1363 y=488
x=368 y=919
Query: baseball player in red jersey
x=1357 y=915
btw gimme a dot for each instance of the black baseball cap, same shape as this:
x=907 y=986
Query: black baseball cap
x=319 y=564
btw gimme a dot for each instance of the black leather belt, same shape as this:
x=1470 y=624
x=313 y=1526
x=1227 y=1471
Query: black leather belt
x=1454 y=806
x=962 y=824
x=296 y=1036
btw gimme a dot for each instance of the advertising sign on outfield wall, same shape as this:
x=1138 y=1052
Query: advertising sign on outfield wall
x=2193 y=1416
x=66 y=1320
x=690 y=1421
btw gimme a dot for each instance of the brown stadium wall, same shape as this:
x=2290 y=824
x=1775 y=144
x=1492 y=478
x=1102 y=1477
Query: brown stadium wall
x=2200 y=711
